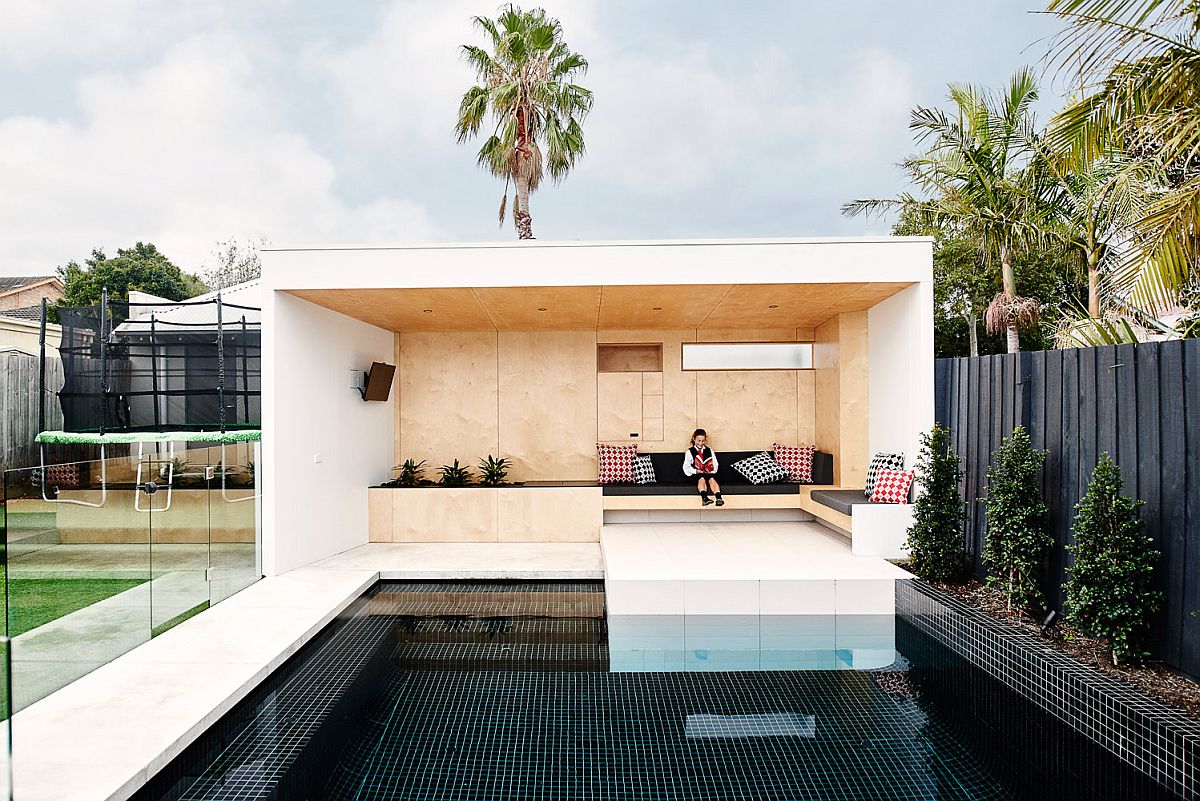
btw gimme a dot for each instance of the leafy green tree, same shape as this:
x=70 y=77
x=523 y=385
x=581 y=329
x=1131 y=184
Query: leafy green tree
x=1110 y=593
x=1137 y=63
x=963 y=287
x=526 y=86
x=141 y=267
x=935 y=540
x=1016 y=543
x=977 y=185
x=233 y=263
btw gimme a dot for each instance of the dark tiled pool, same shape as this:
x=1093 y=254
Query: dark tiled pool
x=508 y=691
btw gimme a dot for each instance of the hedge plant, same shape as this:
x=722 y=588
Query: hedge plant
x=935 y=539
x=1110 y=593
x=1016 y=543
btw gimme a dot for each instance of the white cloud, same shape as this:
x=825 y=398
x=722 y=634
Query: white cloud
x=186 y=152
x=688 y=122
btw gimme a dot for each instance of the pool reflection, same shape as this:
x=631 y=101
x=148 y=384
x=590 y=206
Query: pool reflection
x=676 y=643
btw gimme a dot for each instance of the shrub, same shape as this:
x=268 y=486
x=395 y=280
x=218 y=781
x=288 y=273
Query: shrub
x=492 y=471
x=1017 y=542
x=409 y=474
x=452 y=475
x=1109 y=589
x=935 y=540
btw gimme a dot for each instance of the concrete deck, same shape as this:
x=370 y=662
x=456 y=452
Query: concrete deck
x=741 y=569
x=479 y=560
x=104 y=735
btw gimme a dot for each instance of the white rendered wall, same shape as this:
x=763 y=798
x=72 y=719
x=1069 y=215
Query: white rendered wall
x=313 y=509
x=548 y=263
x=900 y=353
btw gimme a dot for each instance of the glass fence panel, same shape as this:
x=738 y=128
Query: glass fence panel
x=77 y=572
x=5 y=667
x=234 y=510
x=175 y=498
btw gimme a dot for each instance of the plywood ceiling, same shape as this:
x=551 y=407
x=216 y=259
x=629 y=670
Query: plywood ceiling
x=708 y=307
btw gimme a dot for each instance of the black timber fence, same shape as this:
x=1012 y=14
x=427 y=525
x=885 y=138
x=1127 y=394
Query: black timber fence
x=1141 y=405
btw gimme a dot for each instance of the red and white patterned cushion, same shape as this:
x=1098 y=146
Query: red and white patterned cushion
x=891 y=486
x=796 y=461
x=615 y=462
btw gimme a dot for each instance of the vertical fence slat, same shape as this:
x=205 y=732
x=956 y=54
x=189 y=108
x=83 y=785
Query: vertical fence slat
x=1171 y=488
x=1189 y=657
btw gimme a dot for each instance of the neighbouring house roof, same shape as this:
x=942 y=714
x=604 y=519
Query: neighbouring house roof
x=195 y=313
x=14 y=283
x=33 y=313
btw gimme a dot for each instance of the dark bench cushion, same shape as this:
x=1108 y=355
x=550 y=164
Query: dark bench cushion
x=671 y=480
x=840 y=500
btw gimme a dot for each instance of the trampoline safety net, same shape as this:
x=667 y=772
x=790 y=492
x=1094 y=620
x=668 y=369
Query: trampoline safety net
x=191 y=365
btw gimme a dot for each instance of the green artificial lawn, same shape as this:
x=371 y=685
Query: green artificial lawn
x=35 y=602
x=175 y=621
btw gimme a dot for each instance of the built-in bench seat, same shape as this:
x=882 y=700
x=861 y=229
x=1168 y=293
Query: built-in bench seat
x=875 y=529
x=671 y=480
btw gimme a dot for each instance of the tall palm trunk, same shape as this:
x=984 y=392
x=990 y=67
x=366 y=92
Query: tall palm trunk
x=521 y=216
x=1009 y=277
x=524 y=156
x=1093 y=270
x=972 y=327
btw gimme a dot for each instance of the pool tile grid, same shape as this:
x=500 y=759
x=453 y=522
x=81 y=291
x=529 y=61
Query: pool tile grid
x=1155 y=739
x=505 y=735
x=260 y=761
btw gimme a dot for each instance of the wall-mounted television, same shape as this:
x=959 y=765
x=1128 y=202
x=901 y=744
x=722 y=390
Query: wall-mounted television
x=378 y=383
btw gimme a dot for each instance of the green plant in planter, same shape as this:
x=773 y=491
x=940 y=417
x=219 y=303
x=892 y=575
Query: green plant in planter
x=492 y=471
x=935 y=540
x=409 y=474
x=454 y=475
x=1017 y=542
x=1110 y=593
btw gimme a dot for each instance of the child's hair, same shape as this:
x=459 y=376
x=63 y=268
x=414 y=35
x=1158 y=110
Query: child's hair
x=699 y=432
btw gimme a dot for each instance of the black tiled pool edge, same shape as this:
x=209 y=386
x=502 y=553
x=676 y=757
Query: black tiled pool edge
x=1153 y=738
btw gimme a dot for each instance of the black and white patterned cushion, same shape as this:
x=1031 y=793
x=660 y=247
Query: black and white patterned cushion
x=643 y=470
x=892 y=461
x=761 y=468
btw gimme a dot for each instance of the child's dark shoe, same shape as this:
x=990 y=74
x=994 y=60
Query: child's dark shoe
x=720 y=501
x=706 y=501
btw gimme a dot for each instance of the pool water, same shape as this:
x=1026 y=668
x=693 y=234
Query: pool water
x=489 y=691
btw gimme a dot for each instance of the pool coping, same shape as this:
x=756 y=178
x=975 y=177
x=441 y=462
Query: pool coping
x=149 y=704
x=1152 y=737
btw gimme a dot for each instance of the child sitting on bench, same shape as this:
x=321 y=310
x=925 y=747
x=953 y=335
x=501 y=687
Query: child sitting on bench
x=699 y=460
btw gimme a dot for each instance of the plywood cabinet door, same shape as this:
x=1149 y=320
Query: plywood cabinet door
x=618 y=406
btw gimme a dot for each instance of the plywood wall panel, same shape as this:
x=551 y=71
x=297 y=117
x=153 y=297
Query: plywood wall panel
x=448 y=397
x=549 y=514
x=854 y=390
x=826 y=394
x=547 y=404
x=747 y=409
x=806 y=424
x=439 y=514
x=618 y=406
x=677 y=388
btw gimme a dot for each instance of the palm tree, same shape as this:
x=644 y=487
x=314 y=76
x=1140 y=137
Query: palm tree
x=975 y=173
x=1138 y=61
x=526 y=86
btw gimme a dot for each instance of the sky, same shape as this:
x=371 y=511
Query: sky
x=188 y=122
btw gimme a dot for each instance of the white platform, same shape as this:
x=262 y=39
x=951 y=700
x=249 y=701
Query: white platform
x=747 y=568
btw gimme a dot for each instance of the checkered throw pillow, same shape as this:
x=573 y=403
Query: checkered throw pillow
x=796 y=461
x=643 y=470
x=891 y=486
x=892 y=461
x=615 y=462
x=761 y=468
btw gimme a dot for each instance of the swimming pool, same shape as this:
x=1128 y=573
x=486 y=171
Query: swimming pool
x=463 y=690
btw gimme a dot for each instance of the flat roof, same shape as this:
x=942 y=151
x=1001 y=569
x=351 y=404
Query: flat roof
x=596 y=243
